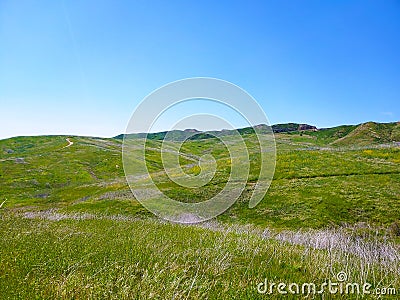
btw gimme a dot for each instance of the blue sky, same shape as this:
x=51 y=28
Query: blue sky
x=81 y=67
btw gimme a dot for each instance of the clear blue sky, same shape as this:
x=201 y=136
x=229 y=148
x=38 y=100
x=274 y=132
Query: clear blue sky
x=81 y=67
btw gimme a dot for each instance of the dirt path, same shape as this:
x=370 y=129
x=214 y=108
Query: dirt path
x=1 y=205
x=70 y=143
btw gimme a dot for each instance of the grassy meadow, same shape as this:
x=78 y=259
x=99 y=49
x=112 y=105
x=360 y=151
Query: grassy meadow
x=71 y=228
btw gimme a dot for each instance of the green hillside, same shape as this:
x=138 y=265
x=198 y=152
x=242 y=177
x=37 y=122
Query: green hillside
x=70 y=227
x=365 y=134
x=307 y=190
x=371 y=133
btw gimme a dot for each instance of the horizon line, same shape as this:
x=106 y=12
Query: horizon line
x=200 y=131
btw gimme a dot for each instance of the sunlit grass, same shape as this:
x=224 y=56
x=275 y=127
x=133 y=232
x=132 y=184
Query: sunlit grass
x=70 y=227
x=148 y=259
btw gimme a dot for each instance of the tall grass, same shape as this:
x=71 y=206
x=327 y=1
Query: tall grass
x=57 y=256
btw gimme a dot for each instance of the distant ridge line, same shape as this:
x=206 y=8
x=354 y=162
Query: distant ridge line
x=276 y=128
x=343 y=135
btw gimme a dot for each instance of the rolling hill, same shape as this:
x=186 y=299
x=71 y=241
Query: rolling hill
x=47 y=171
x=70 y=227
x=369 y=133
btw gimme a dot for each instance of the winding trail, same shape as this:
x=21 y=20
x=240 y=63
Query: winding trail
x=70 y=143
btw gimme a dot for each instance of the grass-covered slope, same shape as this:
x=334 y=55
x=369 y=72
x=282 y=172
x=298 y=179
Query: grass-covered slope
x=122 y=258
x=311 y=188
x=71 y=229
x=371 y=133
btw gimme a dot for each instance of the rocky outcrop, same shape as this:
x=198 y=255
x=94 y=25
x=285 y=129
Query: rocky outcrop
x=289 y=127
x=307 y=127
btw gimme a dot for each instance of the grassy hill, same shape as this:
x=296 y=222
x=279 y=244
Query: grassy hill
x=307 y=190
x=371 y=133
x=70 y=227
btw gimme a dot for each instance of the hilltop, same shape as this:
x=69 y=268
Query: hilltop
x=371 y=133
x=184 y=134
x=364 y=134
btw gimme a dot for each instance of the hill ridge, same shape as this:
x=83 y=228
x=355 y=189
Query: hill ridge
x=343 y=135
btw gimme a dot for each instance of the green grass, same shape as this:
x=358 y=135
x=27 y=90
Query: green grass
x=147 y=259
x=311 y=188
x=71 y=228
